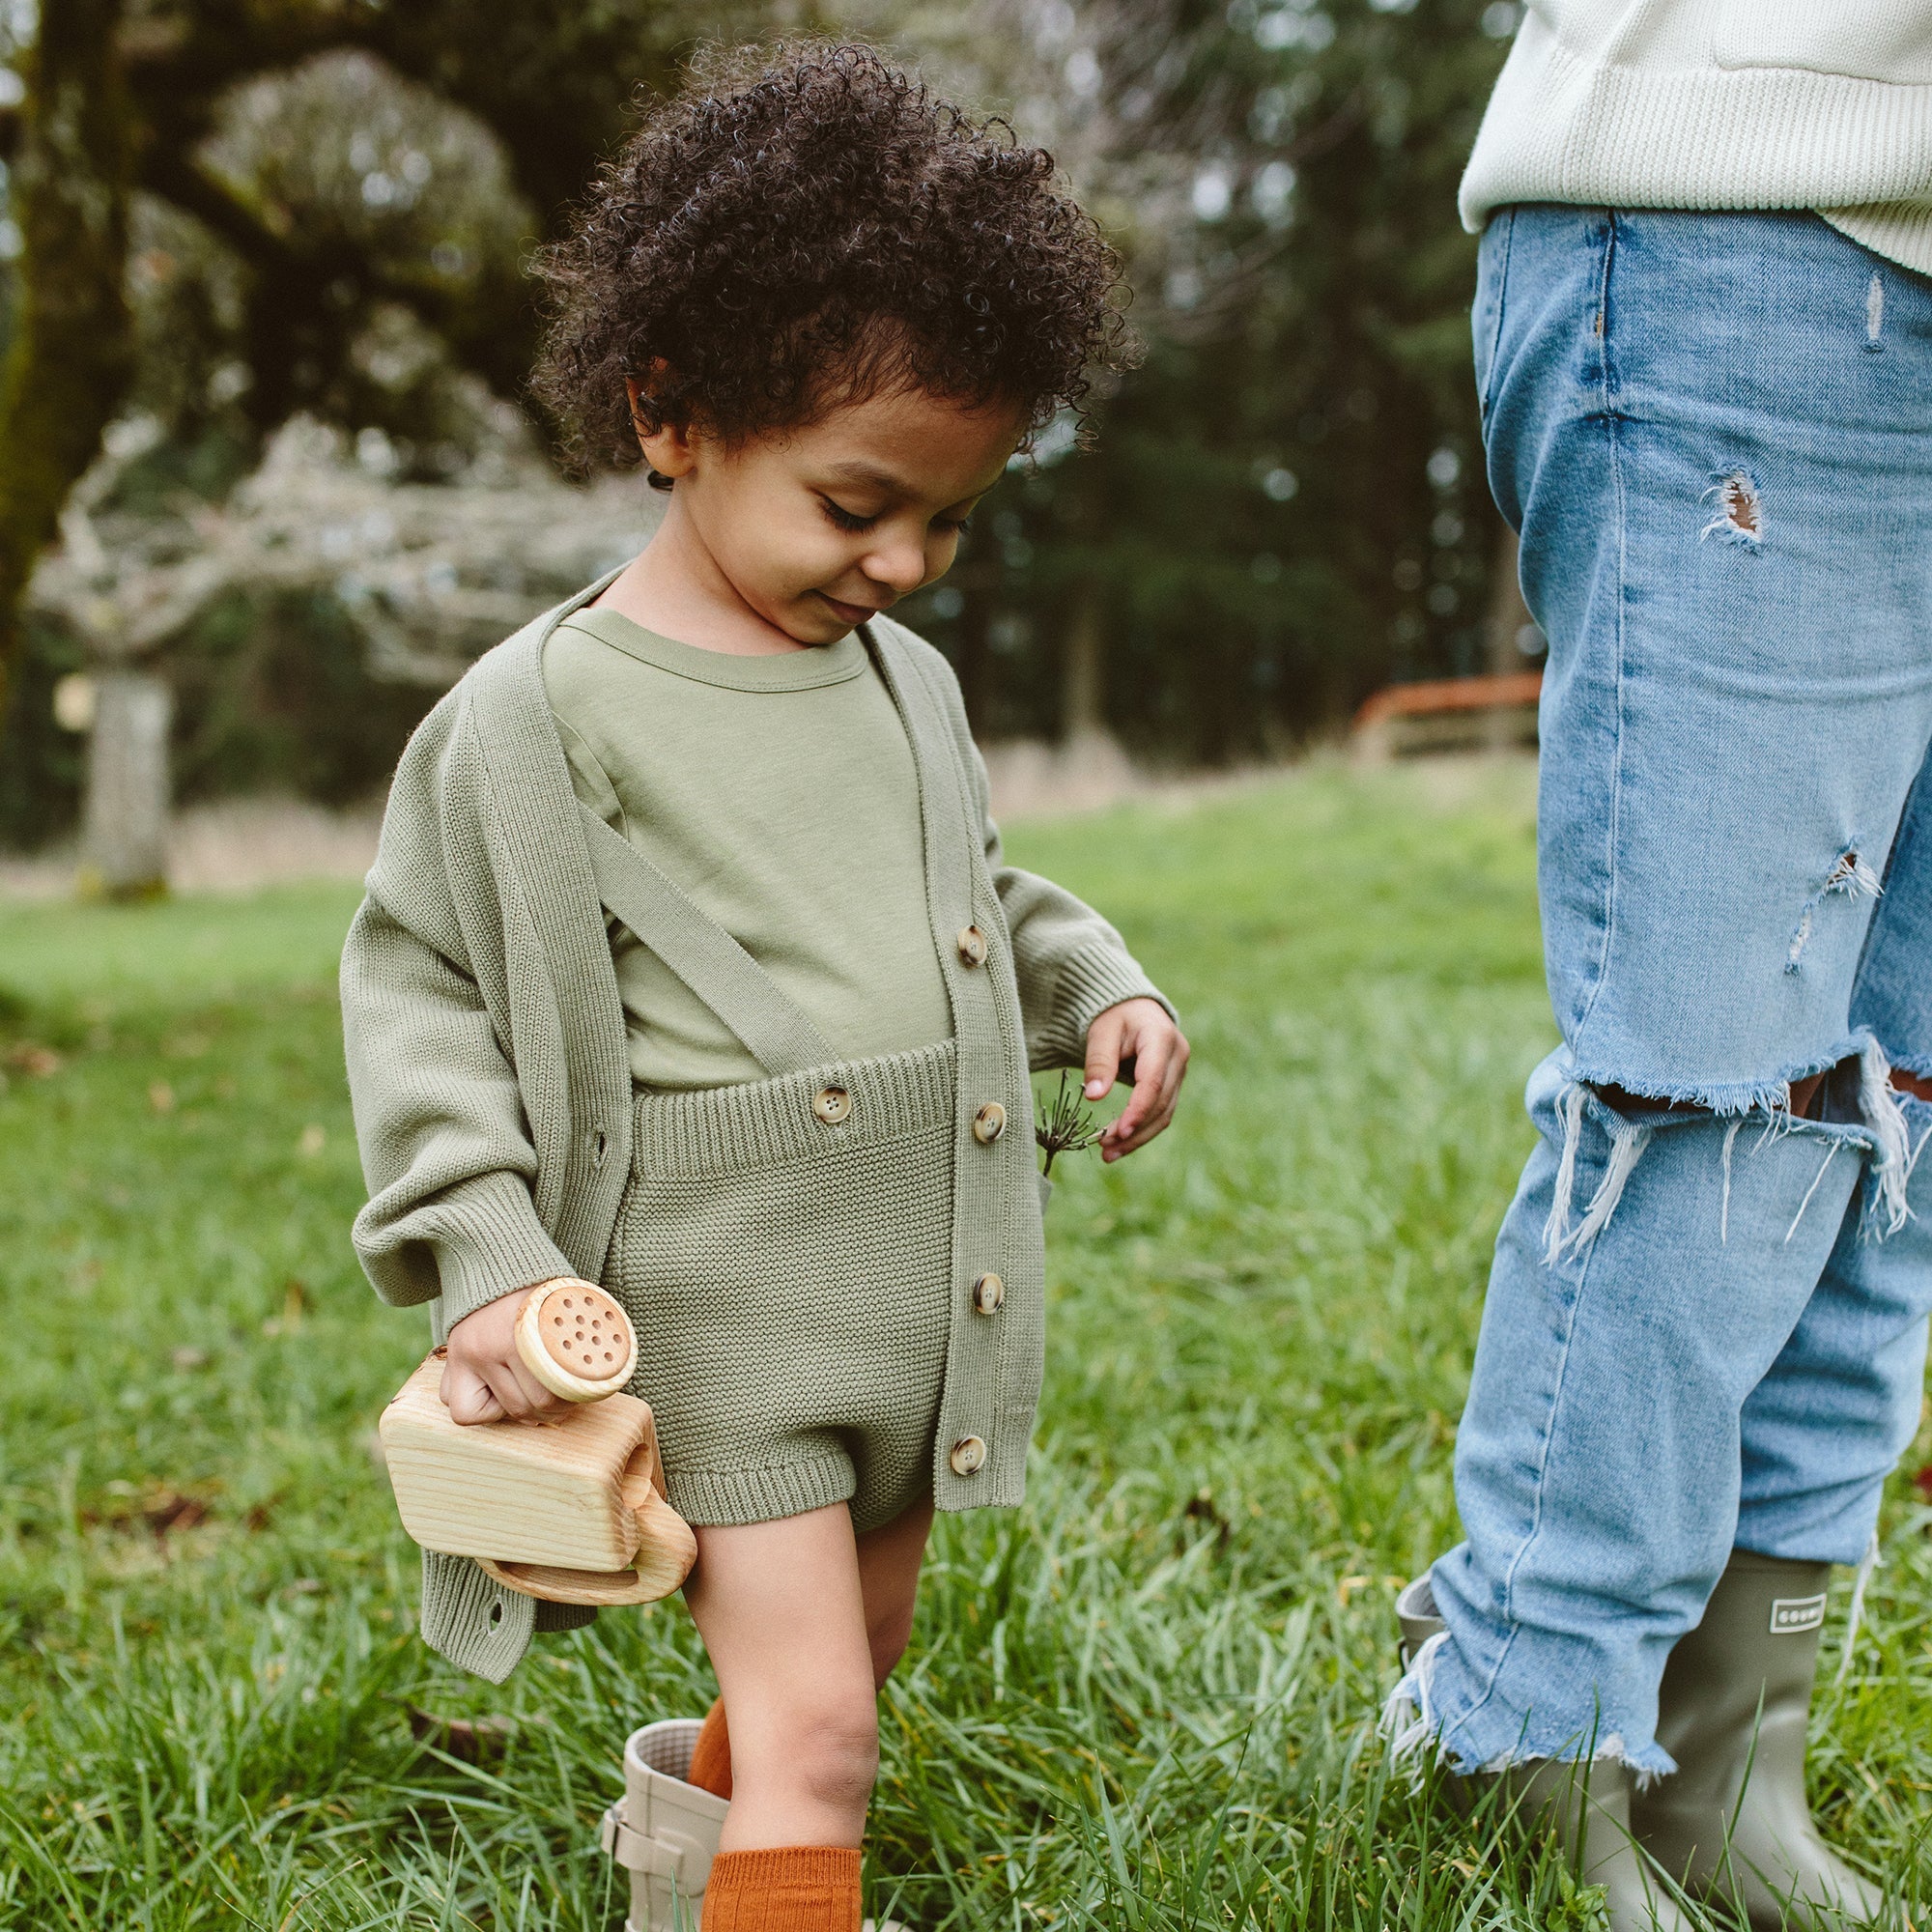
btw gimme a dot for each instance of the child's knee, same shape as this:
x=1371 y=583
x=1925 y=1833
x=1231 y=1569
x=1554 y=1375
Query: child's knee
x=832 y=1755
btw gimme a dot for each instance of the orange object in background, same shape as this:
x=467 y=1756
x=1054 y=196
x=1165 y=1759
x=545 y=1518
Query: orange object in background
x=1435 y=695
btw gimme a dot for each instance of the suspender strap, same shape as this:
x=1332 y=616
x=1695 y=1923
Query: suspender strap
x=774 y=1029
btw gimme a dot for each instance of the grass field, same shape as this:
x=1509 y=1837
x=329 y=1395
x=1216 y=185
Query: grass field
x=1145 y=1701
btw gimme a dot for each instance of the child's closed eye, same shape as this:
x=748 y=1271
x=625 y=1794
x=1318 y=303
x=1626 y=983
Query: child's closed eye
x=844 y=518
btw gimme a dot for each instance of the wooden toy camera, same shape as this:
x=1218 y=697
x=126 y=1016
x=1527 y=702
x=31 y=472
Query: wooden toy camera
x=571 y=1509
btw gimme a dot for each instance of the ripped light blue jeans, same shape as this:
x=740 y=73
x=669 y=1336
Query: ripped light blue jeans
x=1706 y=1323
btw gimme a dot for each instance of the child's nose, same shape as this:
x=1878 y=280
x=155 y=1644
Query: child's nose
x=899 y=566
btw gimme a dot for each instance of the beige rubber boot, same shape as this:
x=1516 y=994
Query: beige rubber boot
x=665 y=1831
x=662 y=1831
x=1734 y=1823
x=1415 y=1611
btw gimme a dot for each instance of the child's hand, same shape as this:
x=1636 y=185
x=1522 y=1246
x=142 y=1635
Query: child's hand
x=484 y=1378
x=1137 y=1041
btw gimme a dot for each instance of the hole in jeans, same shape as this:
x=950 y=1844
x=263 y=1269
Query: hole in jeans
x=1739 y=509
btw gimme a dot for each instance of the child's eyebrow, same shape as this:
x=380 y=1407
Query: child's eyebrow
x=855 y=471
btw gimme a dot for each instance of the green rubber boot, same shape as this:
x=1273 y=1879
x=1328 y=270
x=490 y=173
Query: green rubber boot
x=1734 y=1825
x=1588 y=1807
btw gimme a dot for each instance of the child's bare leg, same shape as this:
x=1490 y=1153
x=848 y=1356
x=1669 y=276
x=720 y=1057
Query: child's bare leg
x=781 y=1610
x=889 y=1560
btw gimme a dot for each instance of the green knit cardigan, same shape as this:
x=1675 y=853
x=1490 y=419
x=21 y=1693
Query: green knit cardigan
x=488 y=1067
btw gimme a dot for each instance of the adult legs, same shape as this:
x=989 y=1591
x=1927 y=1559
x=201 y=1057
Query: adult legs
x=1820 y=1432
x=1725 y=499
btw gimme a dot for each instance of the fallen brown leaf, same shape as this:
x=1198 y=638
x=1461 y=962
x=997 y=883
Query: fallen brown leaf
x=172 y=1511
x=472 y=1740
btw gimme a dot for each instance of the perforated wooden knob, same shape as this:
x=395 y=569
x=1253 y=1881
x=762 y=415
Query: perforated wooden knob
x=576 y=1340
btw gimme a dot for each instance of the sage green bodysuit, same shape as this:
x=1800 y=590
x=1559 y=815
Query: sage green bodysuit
x=779 y=793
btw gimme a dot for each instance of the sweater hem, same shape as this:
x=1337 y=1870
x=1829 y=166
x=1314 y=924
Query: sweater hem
x=1562 y=127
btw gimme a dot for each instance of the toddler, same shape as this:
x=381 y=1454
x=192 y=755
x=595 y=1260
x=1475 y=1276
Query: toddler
x=689 y=963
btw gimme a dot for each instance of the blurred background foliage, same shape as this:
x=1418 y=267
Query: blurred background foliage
x=328 y=204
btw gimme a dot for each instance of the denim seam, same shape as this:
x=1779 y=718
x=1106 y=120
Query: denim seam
x=1535 y=1529
x=1621 y=511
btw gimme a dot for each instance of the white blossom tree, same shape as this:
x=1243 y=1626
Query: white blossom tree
x=430 y=574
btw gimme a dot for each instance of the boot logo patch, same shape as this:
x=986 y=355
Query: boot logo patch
x=1790 y=1615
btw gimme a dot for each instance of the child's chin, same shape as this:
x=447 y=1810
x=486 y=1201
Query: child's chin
x=816 y=624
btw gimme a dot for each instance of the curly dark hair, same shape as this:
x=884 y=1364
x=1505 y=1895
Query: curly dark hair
x=807 y=223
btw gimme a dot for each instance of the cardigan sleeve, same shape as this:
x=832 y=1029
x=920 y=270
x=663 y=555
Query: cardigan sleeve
x=1070 y=964
x=439 y=1117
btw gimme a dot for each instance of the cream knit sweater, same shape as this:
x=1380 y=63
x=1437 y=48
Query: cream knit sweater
x=1824 y=105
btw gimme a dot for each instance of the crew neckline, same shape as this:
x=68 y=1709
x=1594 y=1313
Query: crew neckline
x=806 y=669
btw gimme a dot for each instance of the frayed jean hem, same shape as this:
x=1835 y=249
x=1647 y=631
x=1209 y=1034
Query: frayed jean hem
x=1487 y=1737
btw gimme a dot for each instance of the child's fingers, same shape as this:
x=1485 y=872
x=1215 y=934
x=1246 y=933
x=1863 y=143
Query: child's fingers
x=1104 y=1054
x=1160 y=1060
x=1150 y=1064
x=467 y=1397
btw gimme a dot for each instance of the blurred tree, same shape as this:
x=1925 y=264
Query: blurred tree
x=72 y=352
x=153 y=96
x=422 y=578
x=1283 y=508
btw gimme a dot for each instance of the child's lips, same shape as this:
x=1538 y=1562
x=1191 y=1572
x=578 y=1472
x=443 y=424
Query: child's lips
x=850 y=613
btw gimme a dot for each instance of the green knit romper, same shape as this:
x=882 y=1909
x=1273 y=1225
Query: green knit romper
x=785 y=1245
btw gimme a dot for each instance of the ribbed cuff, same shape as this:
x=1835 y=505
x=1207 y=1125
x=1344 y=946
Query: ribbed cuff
x=790 y=1888
x=489 y=1244
x=1089 y=982
x=721 y=1499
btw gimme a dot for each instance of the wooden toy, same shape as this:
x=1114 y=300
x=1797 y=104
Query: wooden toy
x=576 y=1341
x=570 y=1508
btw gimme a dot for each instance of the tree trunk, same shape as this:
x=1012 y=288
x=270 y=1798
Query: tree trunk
x=1083 y=705
x=73 y=351
x=1508 y=615
x=125 y=819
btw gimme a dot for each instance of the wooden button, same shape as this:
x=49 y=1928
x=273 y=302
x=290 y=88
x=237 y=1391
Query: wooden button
x=972 y=946
x=989 y=1292
x=989 y=1124
x=831 y=1105
x=968 y=1457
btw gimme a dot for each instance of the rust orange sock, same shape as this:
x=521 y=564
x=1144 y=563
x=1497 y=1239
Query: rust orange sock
x=795 y=1888
x=711 y=1755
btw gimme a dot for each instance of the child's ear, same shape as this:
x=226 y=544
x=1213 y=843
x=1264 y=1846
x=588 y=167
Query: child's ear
x=667 y=447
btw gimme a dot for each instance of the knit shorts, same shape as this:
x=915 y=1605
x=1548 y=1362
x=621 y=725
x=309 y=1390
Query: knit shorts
x=785 y=1250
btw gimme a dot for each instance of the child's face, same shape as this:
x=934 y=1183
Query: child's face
x=824 y=527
